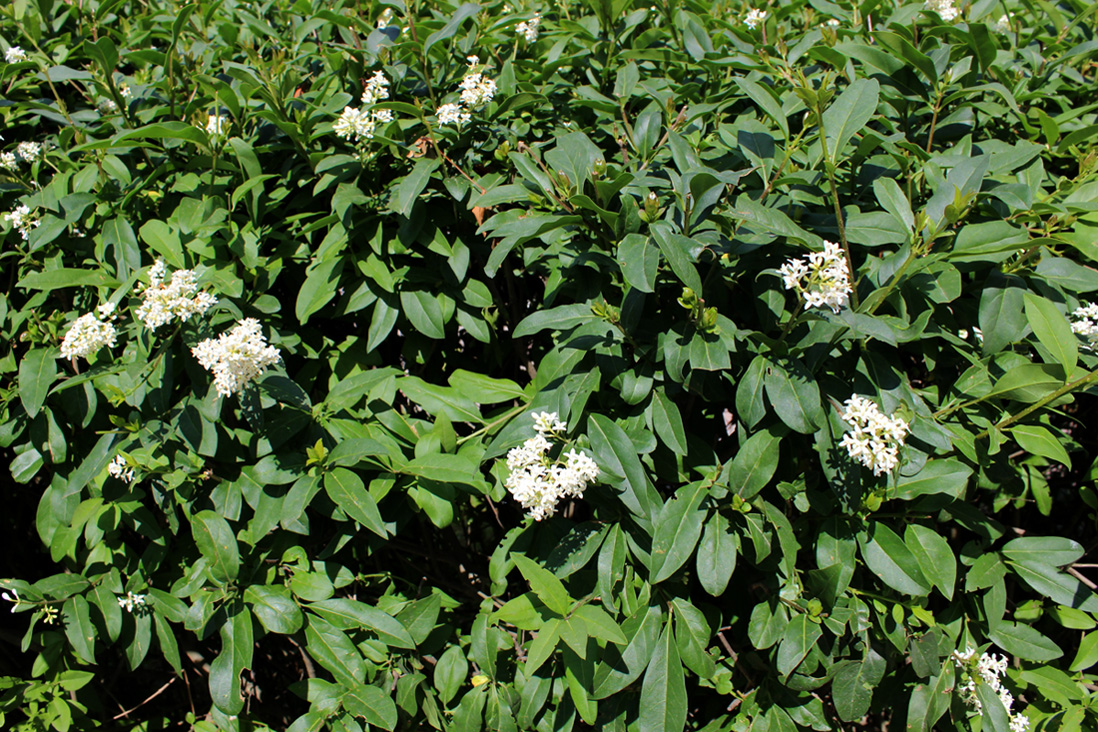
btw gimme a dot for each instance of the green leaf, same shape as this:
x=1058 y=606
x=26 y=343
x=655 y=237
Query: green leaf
x=799 y=638
x=1043 y=551
x=947 y=476
x=79 y=628
x=676 y=248
x=639 y=261
x=165 y=636
x=749 y=393
x=849 y=113
x=794 y=396
x=765 y=101
x=1062 y=588
x=692 y=635
x=1088 y=653
x=347 y=614
x=893 y=200
x=992 y=711
x=37 y=371
x=668 y=422
x=600 y=624
x=1025 y=642
x=57 y=278
x=348 y=492
x=934 y=557
x=446 y=468
x=217 y=543
x=483 y=389
x=467 y=10
x=424 y=312
x=371 y=704
x=406 y=193
x=615 y=454
x=663 y=701
x=888 y=557
x=716 y=558
x=275 y=608
x=450 y=673
x=754 y=464
x=546 y=586
x=236 y=654
x=563 y=317
x=1052 y=330
x=619 y=669
x=332 y=649
x=1040 y=441
x=1002 y=321
x=320 y=286
x=1028 y=382
x=852 y=686
x=164 y=131
x=677 y=530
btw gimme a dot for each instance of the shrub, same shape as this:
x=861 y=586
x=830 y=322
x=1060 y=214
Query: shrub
x=590 y=365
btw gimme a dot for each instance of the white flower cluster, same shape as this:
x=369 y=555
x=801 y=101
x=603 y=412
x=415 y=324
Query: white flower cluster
x=29 y=151
x=217 y=124
x=987 y=670
x=833 y=23
x=537 y=481
x=753 y=18
x=528 y=29
x=90 y=332
x=237 y=357
x=14 y=55
x=130 y=601
x=23 y=220
x=359 y=124
x=1002 y=25
x=822 y=278
x=178 y=299
x=876 y=439
x=476 y=91
x=945 y=8
x=8 y=161
x=118 y=469
x=1084 y=322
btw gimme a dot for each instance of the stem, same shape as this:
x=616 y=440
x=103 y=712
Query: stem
x=934 y=122
x=838 y=207
x=1066 y=388
x=891 y=284
x=509 y=415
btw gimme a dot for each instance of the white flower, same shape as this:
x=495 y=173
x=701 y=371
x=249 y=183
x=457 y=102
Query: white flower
x=987 y=669
x=476 y=90
x=377 y=88
x=23 y=220
x=546 y=423
x=1019 y=723
x=15 y=54
x=29 y=151
x=13 y=598
x=216 y=124
x=130 y=601
x=237 y=357
x=118 y=469
x=88 y=334
x=452 y=114
x=354 y=123
x=473 y=60
x=945 y=8
x=753 y=18
x=833 y=23
x=875 y=439
x=1002 y=25
x=8 y=161
x=385 y=19
x=538 y=482
x=822 y=278
x=108 y=105
x=1085 y=324
x=124 y=91
x=180 y=298
x=528 y=29
x=382 y=116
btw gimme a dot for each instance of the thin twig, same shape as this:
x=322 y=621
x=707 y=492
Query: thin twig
x=155 y=694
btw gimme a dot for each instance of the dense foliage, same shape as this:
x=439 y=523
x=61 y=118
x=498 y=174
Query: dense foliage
x=286 y=283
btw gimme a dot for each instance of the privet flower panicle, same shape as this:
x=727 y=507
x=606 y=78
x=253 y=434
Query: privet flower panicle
x=822 y=278
x=377 y=88
x=8 y=161
x=987 y=669
x=528 y=29
x=179 y=299
x=754 y=18
x=354 y=124
x=1084 y=323
x=476 y=90
x=537 y=481
x=945 y=8
x=876 y=439
x=118 y=469
x=452 y=114
x=237 y=357
x=14 y=55
x=23 y=220
x=29 y=151
x=90 y=332
x=130 y=601
x=217 y=124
